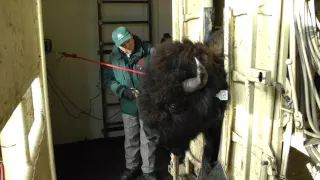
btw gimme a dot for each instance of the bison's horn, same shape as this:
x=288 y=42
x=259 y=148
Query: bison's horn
x=196 y=83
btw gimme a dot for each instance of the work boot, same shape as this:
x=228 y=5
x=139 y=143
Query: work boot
x=149 y=176
x=130 y=174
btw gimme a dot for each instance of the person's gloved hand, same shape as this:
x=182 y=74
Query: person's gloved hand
x=136 y=92
x=127 y=93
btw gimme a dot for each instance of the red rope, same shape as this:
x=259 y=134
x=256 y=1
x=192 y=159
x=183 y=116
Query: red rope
x=2 y=170
x=101 y=63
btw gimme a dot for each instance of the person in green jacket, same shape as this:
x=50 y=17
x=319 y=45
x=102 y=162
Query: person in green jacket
x=130 y=52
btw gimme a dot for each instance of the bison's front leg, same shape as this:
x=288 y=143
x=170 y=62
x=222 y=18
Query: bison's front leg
x=210 y=151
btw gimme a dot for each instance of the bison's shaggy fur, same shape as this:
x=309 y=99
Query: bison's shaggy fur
x=179 y=117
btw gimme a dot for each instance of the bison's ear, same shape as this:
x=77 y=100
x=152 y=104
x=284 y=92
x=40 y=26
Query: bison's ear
x=194 y=84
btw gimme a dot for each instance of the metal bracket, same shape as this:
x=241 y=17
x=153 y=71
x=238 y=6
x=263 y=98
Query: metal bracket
x=272 y=166
x=298 y=121
x=263 y=77
x=285 y=115
x=297 y=118
x=259 y=76
x=287 y=121
x=281 y=89
x=254 y=75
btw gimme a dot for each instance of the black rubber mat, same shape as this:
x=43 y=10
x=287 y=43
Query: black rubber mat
x=217 y=173
x=101 y=159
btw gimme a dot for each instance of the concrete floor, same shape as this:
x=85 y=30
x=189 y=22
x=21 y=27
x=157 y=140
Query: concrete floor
x=101 y=159
x=297 y=169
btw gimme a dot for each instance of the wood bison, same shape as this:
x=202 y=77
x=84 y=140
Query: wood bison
x=178 y=96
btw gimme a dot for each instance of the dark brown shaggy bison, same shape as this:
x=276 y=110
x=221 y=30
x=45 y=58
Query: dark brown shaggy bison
x=178 y=96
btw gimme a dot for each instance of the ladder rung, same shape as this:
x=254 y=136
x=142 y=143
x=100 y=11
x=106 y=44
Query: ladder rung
x=125 y=22
x=112 y=129
x=106 y=1
x=108 y=43
x=104 y=52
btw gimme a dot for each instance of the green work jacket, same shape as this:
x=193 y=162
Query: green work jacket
x=118 y=80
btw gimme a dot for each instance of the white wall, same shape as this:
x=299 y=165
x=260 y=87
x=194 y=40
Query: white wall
x=73 y=28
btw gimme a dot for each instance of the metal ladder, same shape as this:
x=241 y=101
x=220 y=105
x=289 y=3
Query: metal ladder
x=106 y=129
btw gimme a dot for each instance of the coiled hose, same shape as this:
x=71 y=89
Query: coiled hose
x=306 y=26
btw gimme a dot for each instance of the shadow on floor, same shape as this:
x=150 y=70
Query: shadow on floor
x=101 y=159
x=297 y=169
